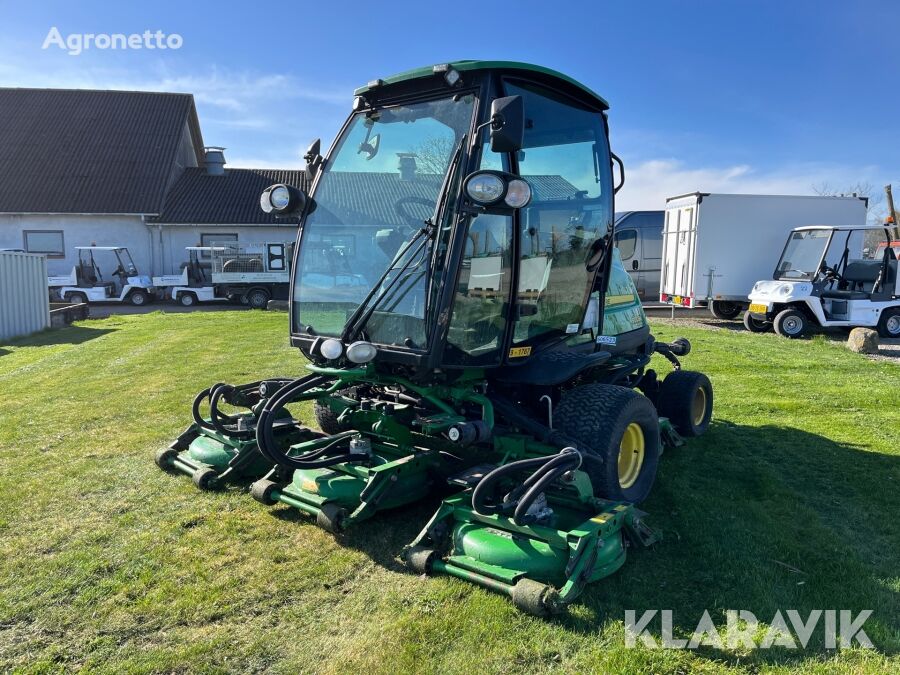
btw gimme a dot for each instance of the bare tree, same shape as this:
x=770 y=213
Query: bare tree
x=433 y=155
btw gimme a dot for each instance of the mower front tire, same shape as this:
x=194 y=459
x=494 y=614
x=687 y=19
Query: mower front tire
x=621 y=428
x=686 y=398
x=326 y=418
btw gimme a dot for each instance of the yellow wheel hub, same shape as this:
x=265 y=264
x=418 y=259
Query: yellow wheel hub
x=698 y=407
x=631 y=455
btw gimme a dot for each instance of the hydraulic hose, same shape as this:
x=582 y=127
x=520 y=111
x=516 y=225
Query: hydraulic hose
x=545 y=471
x=265 y=437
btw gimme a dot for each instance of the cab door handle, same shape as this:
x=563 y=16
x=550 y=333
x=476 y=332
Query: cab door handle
x=634 y=264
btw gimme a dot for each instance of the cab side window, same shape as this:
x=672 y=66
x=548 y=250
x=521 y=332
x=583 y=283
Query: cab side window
x=626 y=242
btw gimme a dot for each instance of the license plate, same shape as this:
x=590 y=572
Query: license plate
x=756 y=308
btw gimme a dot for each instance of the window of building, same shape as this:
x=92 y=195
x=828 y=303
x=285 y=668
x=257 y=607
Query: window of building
x=213 y=238
x=49 y=242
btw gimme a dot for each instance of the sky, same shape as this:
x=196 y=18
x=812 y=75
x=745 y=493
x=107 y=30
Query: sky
x=787 y=97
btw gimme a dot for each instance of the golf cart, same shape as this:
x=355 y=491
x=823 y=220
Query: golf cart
x=86 y=282
x=193 y=285
x=852 y=290
x=499 y=354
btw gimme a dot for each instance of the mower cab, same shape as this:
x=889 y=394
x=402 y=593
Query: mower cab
x=481 y=336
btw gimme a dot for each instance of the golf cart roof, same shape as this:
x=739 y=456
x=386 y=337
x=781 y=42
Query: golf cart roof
x=839 y=228
x=472 y=65
x=101 y=248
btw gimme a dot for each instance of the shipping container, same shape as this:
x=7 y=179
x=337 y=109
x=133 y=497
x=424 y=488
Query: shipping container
x=24 y=301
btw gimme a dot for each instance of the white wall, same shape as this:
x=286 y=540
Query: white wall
x=176 y=237
x=24 y=302
x=102 y=230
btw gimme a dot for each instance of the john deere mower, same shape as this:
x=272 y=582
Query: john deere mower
x=470 y=334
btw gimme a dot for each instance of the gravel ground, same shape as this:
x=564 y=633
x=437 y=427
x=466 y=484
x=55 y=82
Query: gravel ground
x=889 y=350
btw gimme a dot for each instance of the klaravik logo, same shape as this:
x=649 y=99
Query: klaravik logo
x=742 y=629
x=76 y=43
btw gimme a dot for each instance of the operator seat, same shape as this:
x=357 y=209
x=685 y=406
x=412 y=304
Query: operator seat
x=860 y=277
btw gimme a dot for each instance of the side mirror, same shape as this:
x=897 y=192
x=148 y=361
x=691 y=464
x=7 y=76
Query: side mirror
x=313 y=158
x=507 y=124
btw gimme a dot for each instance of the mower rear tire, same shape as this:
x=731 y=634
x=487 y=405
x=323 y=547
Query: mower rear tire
x=419 y=559
x=535 y=598
x=889 y=323
x=790 y=323
x=686 y=398
x=755 y=325
x=262 y=491
x=722 y=309
x=205 y=479
x=165 y=457
x=331 y=517
x=621 y=428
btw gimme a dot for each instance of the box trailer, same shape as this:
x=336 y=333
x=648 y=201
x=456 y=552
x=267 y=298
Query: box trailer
x=716 y=246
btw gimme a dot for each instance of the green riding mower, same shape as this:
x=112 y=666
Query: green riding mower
x=471 y=336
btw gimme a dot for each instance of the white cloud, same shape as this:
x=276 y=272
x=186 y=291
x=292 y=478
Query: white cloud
x=649 y=183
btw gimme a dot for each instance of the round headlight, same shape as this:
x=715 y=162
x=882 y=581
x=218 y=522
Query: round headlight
x=280 y=197
x=485 y=188
x=361 y=352
x=518 y=193
x=264 y=202
x=331 y=349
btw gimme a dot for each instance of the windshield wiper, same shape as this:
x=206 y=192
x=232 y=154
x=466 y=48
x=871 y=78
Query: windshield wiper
x=367 y=307
x=364 y=311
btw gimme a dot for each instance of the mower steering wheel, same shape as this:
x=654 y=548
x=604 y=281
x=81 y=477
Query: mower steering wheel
x=415 y=221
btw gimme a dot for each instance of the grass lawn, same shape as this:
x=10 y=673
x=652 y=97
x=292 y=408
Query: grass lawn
x=791 y=501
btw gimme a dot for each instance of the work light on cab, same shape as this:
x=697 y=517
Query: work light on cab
x=495 y=188
x=282 y=200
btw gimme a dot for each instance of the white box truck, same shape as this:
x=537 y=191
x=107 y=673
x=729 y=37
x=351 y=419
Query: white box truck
x=716 y=246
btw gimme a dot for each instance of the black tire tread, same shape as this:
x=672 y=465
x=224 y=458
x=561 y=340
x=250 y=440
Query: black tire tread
x=606 y=404
x=677 y=388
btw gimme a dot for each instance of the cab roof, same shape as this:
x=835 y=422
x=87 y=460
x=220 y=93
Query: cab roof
x=473 y=65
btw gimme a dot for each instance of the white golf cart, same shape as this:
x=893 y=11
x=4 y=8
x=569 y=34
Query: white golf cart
x=86 y=282
x=824 y=278
x=193 y=285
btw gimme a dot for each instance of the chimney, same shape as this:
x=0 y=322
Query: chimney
x=407 y=165
x=215 y=160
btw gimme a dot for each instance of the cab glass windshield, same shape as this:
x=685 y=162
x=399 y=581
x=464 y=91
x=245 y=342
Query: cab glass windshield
x=803 y=254
x=379 y=186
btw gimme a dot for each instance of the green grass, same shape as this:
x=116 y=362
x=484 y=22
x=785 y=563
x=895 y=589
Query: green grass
x=110 y=565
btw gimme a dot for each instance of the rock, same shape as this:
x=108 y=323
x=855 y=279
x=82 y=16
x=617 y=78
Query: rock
x=863 y=341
